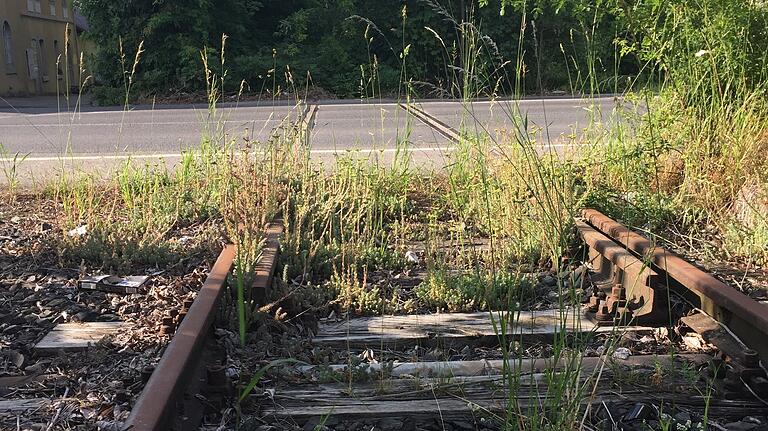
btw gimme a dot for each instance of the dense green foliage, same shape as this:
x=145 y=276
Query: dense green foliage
x=358 y=47
x=173 y=32
x=353 y=48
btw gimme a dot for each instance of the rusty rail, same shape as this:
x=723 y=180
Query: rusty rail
x=742 y=315
x=179 y=369
x=156 y=403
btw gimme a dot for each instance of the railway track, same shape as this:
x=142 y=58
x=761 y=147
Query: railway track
x=190 y=365
x=627 y=294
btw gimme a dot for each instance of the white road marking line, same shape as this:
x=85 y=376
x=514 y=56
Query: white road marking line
x=159 y=110
x=315 y=152
x=94 y=157
x=129 y=124
x=427 y=103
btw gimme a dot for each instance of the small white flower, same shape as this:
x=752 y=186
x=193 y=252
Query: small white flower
x=701 y=53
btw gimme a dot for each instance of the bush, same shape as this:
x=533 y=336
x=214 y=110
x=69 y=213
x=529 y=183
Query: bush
x=108 y=96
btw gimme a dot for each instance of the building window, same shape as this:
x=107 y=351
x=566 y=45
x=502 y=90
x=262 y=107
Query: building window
x=33 y=65
x=35 y=6
x=64 y=9
x=52 y=4
x=8 y=48
x=70 y=70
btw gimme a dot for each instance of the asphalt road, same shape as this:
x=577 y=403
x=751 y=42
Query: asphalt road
x=366 y=126
x=546 y=121
x=96 y=137
x=144 y=131
x=165 y=130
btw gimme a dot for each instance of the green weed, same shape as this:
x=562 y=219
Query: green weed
x=10 y=164
x=472 y=291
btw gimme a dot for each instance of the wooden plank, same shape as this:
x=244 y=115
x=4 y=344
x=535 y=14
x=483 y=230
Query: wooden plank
x=495 y=367
x=454 y=407
x=463 y=401
x=414 y=409
x=446 y=327
x=77 y=336
x=29 y=379
x=413 y=397
x=20 y=406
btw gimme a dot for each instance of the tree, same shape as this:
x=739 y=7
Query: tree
x=355 y=48
x=173 y=33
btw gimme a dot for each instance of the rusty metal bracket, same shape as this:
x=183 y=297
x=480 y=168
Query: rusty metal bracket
x=626 y=287
x=739 y=373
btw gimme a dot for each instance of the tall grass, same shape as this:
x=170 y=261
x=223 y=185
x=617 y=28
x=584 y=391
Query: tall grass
x=523 y=199
x=695 y=161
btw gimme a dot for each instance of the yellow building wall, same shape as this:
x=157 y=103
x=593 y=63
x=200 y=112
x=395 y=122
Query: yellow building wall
x=45 y=34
